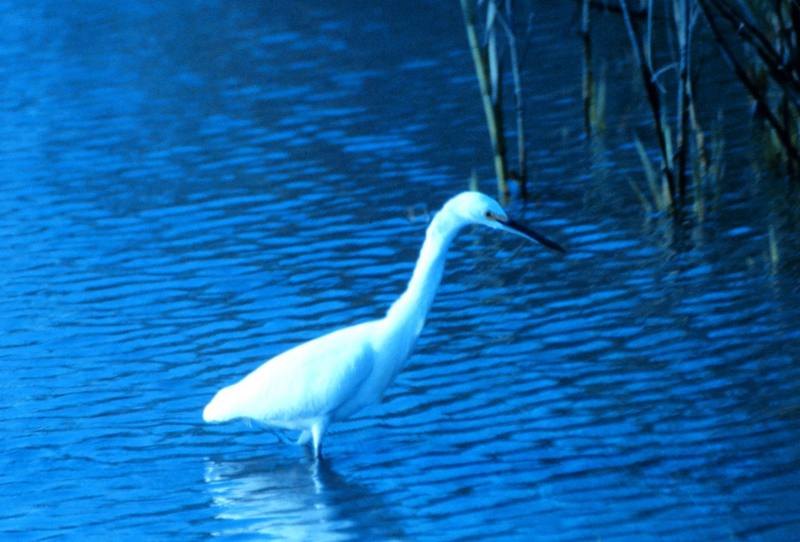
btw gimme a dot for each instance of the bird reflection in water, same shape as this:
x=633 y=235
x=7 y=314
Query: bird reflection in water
x=293 y=500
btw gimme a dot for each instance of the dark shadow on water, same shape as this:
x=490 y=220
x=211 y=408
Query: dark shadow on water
x=296 y=499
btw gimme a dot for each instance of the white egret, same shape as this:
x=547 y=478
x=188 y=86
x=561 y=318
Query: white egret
x=331 y=377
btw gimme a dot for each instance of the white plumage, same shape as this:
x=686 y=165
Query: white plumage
x=331 y=377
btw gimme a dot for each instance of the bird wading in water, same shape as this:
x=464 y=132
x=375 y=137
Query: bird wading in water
x=334 y=376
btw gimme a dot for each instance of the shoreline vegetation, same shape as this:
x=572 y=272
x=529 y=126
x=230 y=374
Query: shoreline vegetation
x=757 y=40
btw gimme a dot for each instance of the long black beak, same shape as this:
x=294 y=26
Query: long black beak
x=528 y=233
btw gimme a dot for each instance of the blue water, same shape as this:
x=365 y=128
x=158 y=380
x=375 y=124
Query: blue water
x=188 y=190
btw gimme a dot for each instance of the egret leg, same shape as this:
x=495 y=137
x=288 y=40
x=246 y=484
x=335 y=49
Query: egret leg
x=316 y=436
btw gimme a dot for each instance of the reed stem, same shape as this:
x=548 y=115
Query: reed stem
x=490 y=108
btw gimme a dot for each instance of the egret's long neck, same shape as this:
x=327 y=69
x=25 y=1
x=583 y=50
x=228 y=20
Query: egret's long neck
x=409 y=311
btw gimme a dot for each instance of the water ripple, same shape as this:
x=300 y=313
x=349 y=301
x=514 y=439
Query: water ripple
x=172 y=218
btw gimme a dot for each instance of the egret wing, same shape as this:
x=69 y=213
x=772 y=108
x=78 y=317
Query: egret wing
x=310 y=380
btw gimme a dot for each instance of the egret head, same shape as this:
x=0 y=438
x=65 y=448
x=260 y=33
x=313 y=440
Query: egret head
x=478 y=208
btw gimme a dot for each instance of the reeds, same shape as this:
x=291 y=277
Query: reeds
x=758 y=39
x=683 y=156
x=765 y=58
x=488 y=55
x=642 y=52
x=587 y=87
x=593 y=89
x=768 y=34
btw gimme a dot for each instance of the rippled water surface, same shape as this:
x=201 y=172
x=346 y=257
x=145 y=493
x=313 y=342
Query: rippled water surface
x=190 y=188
